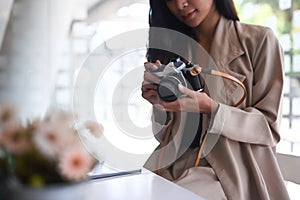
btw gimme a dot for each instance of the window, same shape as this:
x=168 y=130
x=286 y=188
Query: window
x=283 y=16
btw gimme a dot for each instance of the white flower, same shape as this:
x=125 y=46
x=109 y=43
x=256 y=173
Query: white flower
x=95 y=128
x=8 y=118
x=75 y=163
x=59 y=116
x=51 y=138
x=14 y=140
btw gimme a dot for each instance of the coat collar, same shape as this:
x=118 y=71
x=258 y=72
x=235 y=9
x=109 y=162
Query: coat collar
x=225 y=46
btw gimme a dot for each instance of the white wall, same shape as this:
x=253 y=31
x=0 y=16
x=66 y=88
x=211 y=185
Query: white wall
x=34 y=47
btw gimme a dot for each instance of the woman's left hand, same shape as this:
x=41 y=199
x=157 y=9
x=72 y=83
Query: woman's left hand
x=191 y=101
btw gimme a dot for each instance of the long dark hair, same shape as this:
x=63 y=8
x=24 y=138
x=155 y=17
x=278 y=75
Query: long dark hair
x=227 y=9
x=160 y=16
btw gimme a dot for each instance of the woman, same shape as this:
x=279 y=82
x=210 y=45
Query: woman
x=237 y=143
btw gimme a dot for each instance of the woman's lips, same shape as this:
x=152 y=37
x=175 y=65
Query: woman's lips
x=188 y=15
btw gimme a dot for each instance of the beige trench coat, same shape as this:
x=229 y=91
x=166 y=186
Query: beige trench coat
x=240 y=148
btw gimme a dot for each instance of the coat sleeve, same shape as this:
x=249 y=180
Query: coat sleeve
x=160 y=122
x=259 y=122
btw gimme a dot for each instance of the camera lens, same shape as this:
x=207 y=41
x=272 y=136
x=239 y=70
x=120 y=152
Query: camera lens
x=168 y=89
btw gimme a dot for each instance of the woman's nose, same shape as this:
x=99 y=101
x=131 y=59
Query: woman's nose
x=181 y=4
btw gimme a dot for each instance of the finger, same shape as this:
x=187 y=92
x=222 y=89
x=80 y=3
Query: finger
x=186 y=90
x=158 y=62
x=171 y=106
x=151 y=96
x=148 y=86
x=150 y=66
x=189 y=104
x=151 y=77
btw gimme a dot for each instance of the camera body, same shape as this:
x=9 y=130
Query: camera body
x=174 y=73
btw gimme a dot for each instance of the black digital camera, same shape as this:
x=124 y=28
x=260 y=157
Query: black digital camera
x=174 y=73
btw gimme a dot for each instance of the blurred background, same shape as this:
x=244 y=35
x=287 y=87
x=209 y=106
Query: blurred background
x=43 y=44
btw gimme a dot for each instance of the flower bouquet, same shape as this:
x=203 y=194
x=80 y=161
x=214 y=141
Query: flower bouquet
x=44 y=151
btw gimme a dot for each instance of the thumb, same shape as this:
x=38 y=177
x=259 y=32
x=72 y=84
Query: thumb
x=185 y=90
x=158 y=62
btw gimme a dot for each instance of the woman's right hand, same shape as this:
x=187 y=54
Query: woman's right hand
x=191 y=101
x=150 y=82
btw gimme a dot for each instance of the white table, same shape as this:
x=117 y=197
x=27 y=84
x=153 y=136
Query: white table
x=142 y=186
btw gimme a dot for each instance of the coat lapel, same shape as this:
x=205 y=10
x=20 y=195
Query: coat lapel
x=225 y=46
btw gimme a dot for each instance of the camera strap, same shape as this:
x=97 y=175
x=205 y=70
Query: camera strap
x=196 y=70
x=165 y=142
